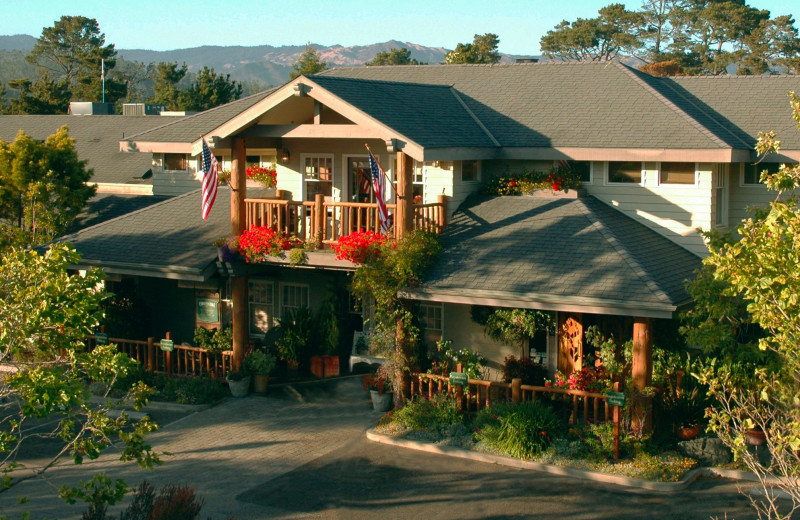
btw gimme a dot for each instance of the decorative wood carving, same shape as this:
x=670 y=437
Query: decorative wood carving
x=570 y=343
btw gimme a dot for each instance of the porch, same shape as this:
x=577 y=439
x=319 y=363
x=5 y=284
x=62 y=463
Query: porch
x=324 y=221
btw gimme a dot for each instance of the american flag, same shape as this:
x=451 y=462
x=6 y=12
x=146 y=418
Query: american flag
x=210 y=181
x=379 y=183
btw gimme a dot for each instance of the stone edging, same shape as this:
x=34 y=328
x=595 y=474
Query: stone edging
x=594 y=476
x=164 y=406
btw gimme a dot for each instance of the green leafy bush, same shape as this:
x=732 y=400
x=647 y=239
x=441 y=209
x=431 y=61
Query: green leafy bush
x=530 y=372
x=429 y=414
x=446 y=359
x=215 y=340
x=519 y=430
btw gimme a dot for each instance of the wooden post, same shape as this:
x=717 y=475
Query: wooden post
x=168 y=357
x=642 y=372
x=442 y=220
x=238 y=223
x=616 y=425
x=319 y=219
x=151 y=354
x=516 y=390
x=404 y=213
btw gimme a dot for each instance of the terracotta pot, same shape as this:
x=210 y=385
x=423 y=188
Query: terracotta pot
x=755 y=437
x=688 y=432
x=317 y=366
x=260 y=383
x=331 y=365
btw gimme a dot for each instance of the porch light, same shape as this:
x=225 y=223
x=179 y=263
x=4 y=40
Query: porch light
x=285 y=156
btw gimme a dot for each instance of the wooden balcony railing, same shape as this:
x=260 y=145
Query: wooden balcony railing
x=325 y=222
x=583 y=406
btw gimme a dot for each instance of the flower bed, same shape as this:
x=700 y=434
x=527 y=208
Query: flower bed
x=257 y=243
x=557 y=179
x=358 y=246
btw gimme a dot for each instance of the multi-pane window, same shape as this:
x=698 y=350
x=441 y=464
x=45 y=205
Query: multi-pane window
x=677 y=173
x=294 y=296
x=431 y=316
x=629 y=172
x=175 y=161
x=470 y=171
x=418 y=182
x=318 y=175
x=262 y=306
x=721 y=196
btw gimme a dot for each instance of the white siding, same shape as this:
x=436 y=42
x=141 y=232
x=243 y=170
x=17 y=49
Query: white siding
x=742 y=196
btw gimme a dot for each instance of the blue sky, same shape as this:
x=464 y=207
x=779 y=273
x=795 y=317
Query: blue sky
x=175 y=24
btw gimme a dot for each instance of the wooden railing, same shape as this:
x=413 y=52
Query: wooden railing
x=183 y=360
x=583 y=406
x=325 y=222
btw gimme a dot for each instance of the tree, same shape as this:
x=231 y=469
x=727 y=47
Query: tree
x=393 y=57
x=774 y=43
x=756 y=379
x=42 y=187
x=166 y=77
x=310 y=62
x=44 y=96
x=596 y=39
x=209 y=90
x=45 y=314
x=483 y=49
x=71 y=51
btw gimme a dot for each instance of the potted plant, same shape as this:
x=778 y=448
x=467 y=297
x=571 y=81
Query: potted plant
x=380 y=389
x=260 y=365
x=294 y=338
x=227 y=247
x=239 y=382
x=327 y=337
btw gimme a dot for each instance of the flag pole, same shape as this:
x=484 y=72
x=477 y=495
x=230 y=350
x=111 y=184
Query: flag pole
x=103 y=76
x=384 y=173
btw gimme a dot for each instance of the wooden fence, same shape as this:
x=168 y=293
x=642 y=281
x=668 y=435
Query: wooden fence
x=326 y=222
x=584 y=407
x=183 y=360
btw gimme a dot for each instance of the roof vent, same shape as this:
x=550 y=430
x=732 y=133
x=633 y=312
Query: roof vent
x=89 y=108
x=142 y=109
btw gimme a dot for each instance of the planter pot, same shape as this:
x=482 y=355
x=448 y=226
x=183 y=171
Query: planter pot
x=381 y=402
x=239 y=388
x=317 y=366
x=755 y=437
x=260 y=382
x=331 y=365
x=688 y=432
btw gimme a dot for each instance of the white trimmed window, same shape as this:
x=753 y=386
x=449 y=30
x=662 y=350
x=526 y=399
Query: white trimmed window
x=175 y=162
x=431 y=316
x=625 y=172
x=721 y=196
x=318 y=175
x=262 y=307
x=751 y=173
x=294 y=296
x=470 y=171
x=677 y=173
x=418 y=182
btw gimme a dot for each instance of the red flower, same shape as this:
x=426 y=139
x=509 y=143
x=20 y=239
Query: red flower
x=359 y=245
x=267 y=177
x=512 y=184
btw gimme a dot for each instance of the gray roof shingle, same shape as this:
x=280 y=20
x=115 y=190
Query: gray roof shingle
x=571 y=248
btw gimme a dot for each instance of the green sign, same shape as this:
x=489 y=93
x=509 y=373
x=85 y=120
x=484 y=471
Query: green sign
x=207 y=310
x=101 y=338
x=167 y=344
x=615 y=398
x=458 y=379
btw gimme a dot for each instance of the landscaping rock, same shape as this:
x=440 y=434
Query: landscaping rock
x=708 y=450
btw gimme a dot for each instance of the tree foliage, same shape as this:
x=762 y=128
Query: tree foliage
x=166 y=77
x=692 y=36
x=71 y=51
x=45 y=312
x=42 y=187
x=483 y=49
x=209 y=90
x=757 y=278
x=44 y=96
x=310 y=62
x=393 y=57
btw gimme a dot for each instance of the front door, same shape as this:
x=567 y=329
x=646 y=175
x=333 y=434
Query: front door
x=359 y=180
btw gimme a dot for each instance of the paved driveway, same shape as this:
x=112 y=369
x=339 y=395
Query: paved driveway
x=301 y=453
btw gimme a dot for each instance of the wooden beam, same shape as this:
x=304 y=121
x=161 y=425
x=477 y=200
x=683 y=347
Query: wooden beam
x=312 y=131
x=240 y=315
x=642 y=372
x=404 y=213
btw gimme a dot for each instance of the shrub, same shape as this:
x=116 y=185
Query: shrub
x=530 y=372
x=519 y=430
x=446 y=359
x=429 y=414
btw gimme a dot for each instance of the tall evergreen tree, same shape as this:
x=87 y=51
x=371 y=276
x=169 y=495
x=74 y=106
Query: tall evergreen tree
x=210 y=90
x=310 y=62
x=483 y=49
x=393 y=57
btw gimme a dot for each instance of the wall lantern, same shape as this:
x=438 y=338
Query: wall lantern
x=285 y=156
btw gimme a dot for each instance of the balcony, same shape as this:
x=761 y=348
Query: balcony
x=325 y=222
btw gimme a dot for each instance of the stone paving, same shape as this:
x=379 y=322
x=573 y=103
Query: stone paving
x=224 y=450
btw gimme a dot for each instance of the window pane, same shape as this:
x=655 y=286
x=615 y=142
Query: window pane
x=677 y=173
x=175 y=161
x=628 y=171
x=469 y=171
x=253 y=160
x=582 y=169
x=752 y=172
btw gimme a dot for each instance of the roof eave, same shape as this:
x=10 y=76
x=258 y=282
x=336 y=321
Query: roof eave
x=545 y=302
x=171 y=272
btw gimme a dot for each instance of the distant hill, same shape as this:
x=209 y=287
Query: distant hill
x=264 y=64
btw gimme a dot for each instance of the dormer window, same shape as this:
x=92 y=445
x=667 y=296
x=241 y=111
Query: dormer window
x=627 y=172
x=175 y=161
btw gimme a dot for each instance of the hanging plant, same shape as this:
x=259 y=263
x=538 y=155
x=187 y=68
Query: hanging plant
x=268 y=177
x=257 y=243
x=358 y=246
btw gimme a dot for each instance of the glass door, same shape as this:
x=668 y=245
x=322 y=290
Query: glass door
x=360 y=180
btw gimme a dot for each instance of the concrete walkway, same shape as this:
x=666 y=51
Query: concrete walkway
x=224 y=450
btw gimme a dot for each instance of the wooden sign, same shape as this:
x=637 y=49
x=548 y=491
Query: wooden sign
x=615 y=398
x=101 y=338
x=458 y=379
x=167 y=345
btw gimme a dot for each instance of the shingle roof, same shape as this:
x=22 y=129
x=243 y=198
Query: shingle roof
x=604 y=105
x=107 y=206
x=96 y=141
x=168 y=237
x=190 y=128
x=559 y=248
x=432 y=114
